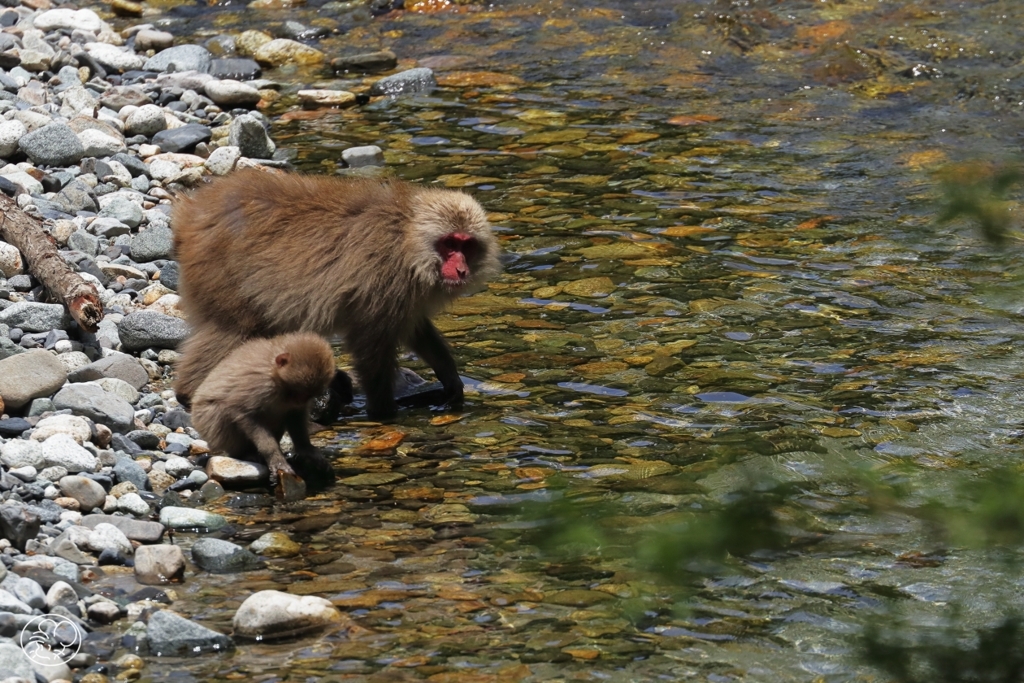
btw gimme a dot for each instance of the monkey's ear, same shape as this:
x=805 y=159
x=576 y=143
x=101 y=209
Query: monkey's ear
x=282 y=360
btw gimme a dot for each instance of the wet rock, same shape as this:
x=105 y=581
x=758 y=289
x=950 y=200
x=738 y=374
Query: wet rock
x=189 y=518
x=223 y=557
x=116 y=365
x=235 y=473
x=32 y=316
x=273 y=614
x=18 y=524
x=53 y=145
x=169 y=633
x=275 y=544
x=108 y=537
x=577 y=597
x=238 y=69
x=74 y=426
x=367 y=62
x=180 y=58
x=230 y=93
x=327 y=98
x=60 y=450
x=87 y=492
x=663 y=365
x=104 y=612
x=154 y=242
x=412 y=81
x=91 y=401
x=29 y=375
x=146 y=120
x=134 y=529
x=182 y=139
x=149 y=329
x=159 y=564
x=248 y=134
x=249 y=41
x=368 y=155
x=281 y=51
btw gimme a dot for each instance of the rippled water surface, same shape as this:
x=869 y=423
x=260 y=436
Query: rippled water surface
x=723 y=268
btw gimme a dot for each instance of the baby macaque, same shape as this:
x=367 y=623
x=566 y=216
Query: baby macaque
x=263 y=254
x=244 y=405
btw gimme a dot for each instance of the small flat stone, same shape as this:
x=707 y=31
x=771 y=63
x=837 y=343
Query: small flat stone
x=182 y=58
x=367 y=155
x=76 y=427
x=155 y=242
x=60 y=450
x=367 y=62
x=189 y=518
x=118 y=366
x=238 y=68
x=159 y=564
x=134 y=529
x=113 y=58
x=235 y=473
x=274 y=614
x=411 y=81
x=123 y=210
x=13 y=426
x=275 y=544
x=184 y=138
x=70 y=19
x=149 y=39
x=106 y=536
x=281 y=51
x=91 y=401
x=121 y=96
x=223 y=557
x=327 y=98
x=21 y=453
x=232 y=93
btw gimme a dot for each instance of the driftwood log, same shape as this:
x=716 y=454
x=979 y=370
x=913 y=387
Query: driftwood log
x=45 y=263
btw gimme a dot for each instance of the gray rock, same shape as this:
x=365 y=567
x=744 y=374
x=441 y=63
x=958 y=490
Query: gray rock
x=135 y=165
x=230 y=93
x=159 y=564
x=84 y=242
x=105 y=226
x=60 y=450
x=149 y=39
x=145 y=439
x=149 y=329
x=123 y=210
x=132 y=503
x=368 y=155
x=61 y=593
x=55 y=144
x=366 y=63
x=189 y=518
x=175 y=465
x=32 y=316
x=118 y=387
x=274 y=614
x=121 y=96
x=104 y=612
x=78 y=428
x=237 y=68
x=30 y=375
x=170 y=273
x=155 y=242
x=87 y=492
x=28 y=591
x=106 y=536
x=248 y=134
x=182 y=139
x=135 y=529
x=9 y=603
x=169 y=633
x=76 y=196
x=91 y=401
x=21 y=453
x=99 y=144
x=180 y=58
x=118 y=366
x=18 y=524
x=411 y=81
x=223 y=557
x=15 y=663
x=126 y=469
x=146 y=120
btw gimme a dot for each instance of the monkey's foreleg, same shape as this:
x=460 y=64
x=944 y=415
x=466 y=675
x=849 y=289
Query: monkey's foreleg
x=326 y=408
x=310 y=463
x=286 y=483
x=427 y=343
x=201 y=352
x=376 y=365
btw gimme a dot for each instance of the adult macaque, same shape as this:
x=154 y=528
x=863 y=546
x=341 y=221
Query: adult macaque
x=244 y=405
x=264 y=254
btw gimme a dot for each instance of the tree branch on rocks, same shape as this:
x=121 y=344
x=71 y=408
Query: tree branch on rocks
x=45 y=263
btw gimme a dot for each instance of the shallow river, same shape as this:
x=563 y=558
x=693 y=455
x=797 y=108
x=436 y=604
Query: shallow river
x=723 y=269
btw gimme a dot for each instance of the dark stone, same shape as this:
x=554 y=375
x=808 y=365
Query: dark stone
x=150 y=593
x=13 y=427
x=182 y=139
x=238 y=69
x=127 y=469
x=144 y=439
x=9 y=60
x=95 y=68
x=175 y=419
x=7 y=187
x=18 y=523
x=46 y=579
x=223 y=557
x=169 y=633
x=367 y=62
x=134 y=164
x=121 y=442
x=111 y=556
x=169 y=275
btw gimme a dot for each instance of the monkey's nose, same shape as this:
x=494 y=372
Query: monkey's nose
x=462 y=273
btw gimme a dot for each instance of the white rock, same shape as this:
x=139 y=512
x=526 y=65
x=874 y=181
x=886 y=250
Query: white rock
x=161 y=169
x=10 y=132
x=99 y=144
x=61 y=449
x=277 y=614
x=115 y=57
x=133 y=503
x=146 y=120
x=21 y=453
x=84 y=19
x=105 y=536
x=75 y=426
x=223 y=159
x=177 y=466
x=26 y=473
x=119 y=388
x=73 y=360
x=229 y=92
x=10 y=260
x=78 y=99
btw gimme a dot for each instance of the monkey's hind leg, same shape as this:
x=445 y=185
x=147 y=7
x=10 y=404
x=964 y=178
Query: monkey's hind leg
x=309 y=462
x=200 y=354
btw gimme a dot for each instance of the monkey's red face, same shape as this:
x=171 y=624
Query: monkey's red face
x=457 y=251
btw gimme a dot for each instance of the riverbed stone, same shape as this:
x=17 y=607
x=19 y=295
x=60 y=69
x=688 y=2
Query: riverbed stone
x=182 y=139
x=411 y=81
x=366 y=62
x=367 y=155
x=281 y=51
x=55 y=144
x=89 y=494
x=235 y=473
x=34 y=316
x=18 y=523
x=61 y=593
x=70 y=19
x=91 y=401
x=106 y=536
x=248 y=134
x=221 y=162
x=169 y=633
x=231 y=93
x=275 y=614
x=21 y=453
x=61 y=450
x=223 y=557
x=97 y=144
x=189 y=518
x=29 y=375
x=275 y=544
x=146 y=120
x=118 y=387
x=118 y=366
x=11 y=133
x=152 y=243
x=133 y=503
x=122 y=210
x=114 y=58
x=135 y=529
x=156 y=565
x=151 y=39
x=322 y=97
x=75 y=426
x=240 y=69
x=149 y=329
x=121 y=96
x=180 y=58
x=15 y=663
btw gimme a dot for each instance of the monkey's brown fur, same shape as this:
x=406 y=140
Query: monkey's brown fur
x=242 y=406
x=263 y=254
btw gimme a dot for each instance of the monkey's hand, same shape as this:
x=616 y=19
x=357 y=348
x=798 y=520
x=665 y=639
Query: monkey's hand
x=314 y=468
